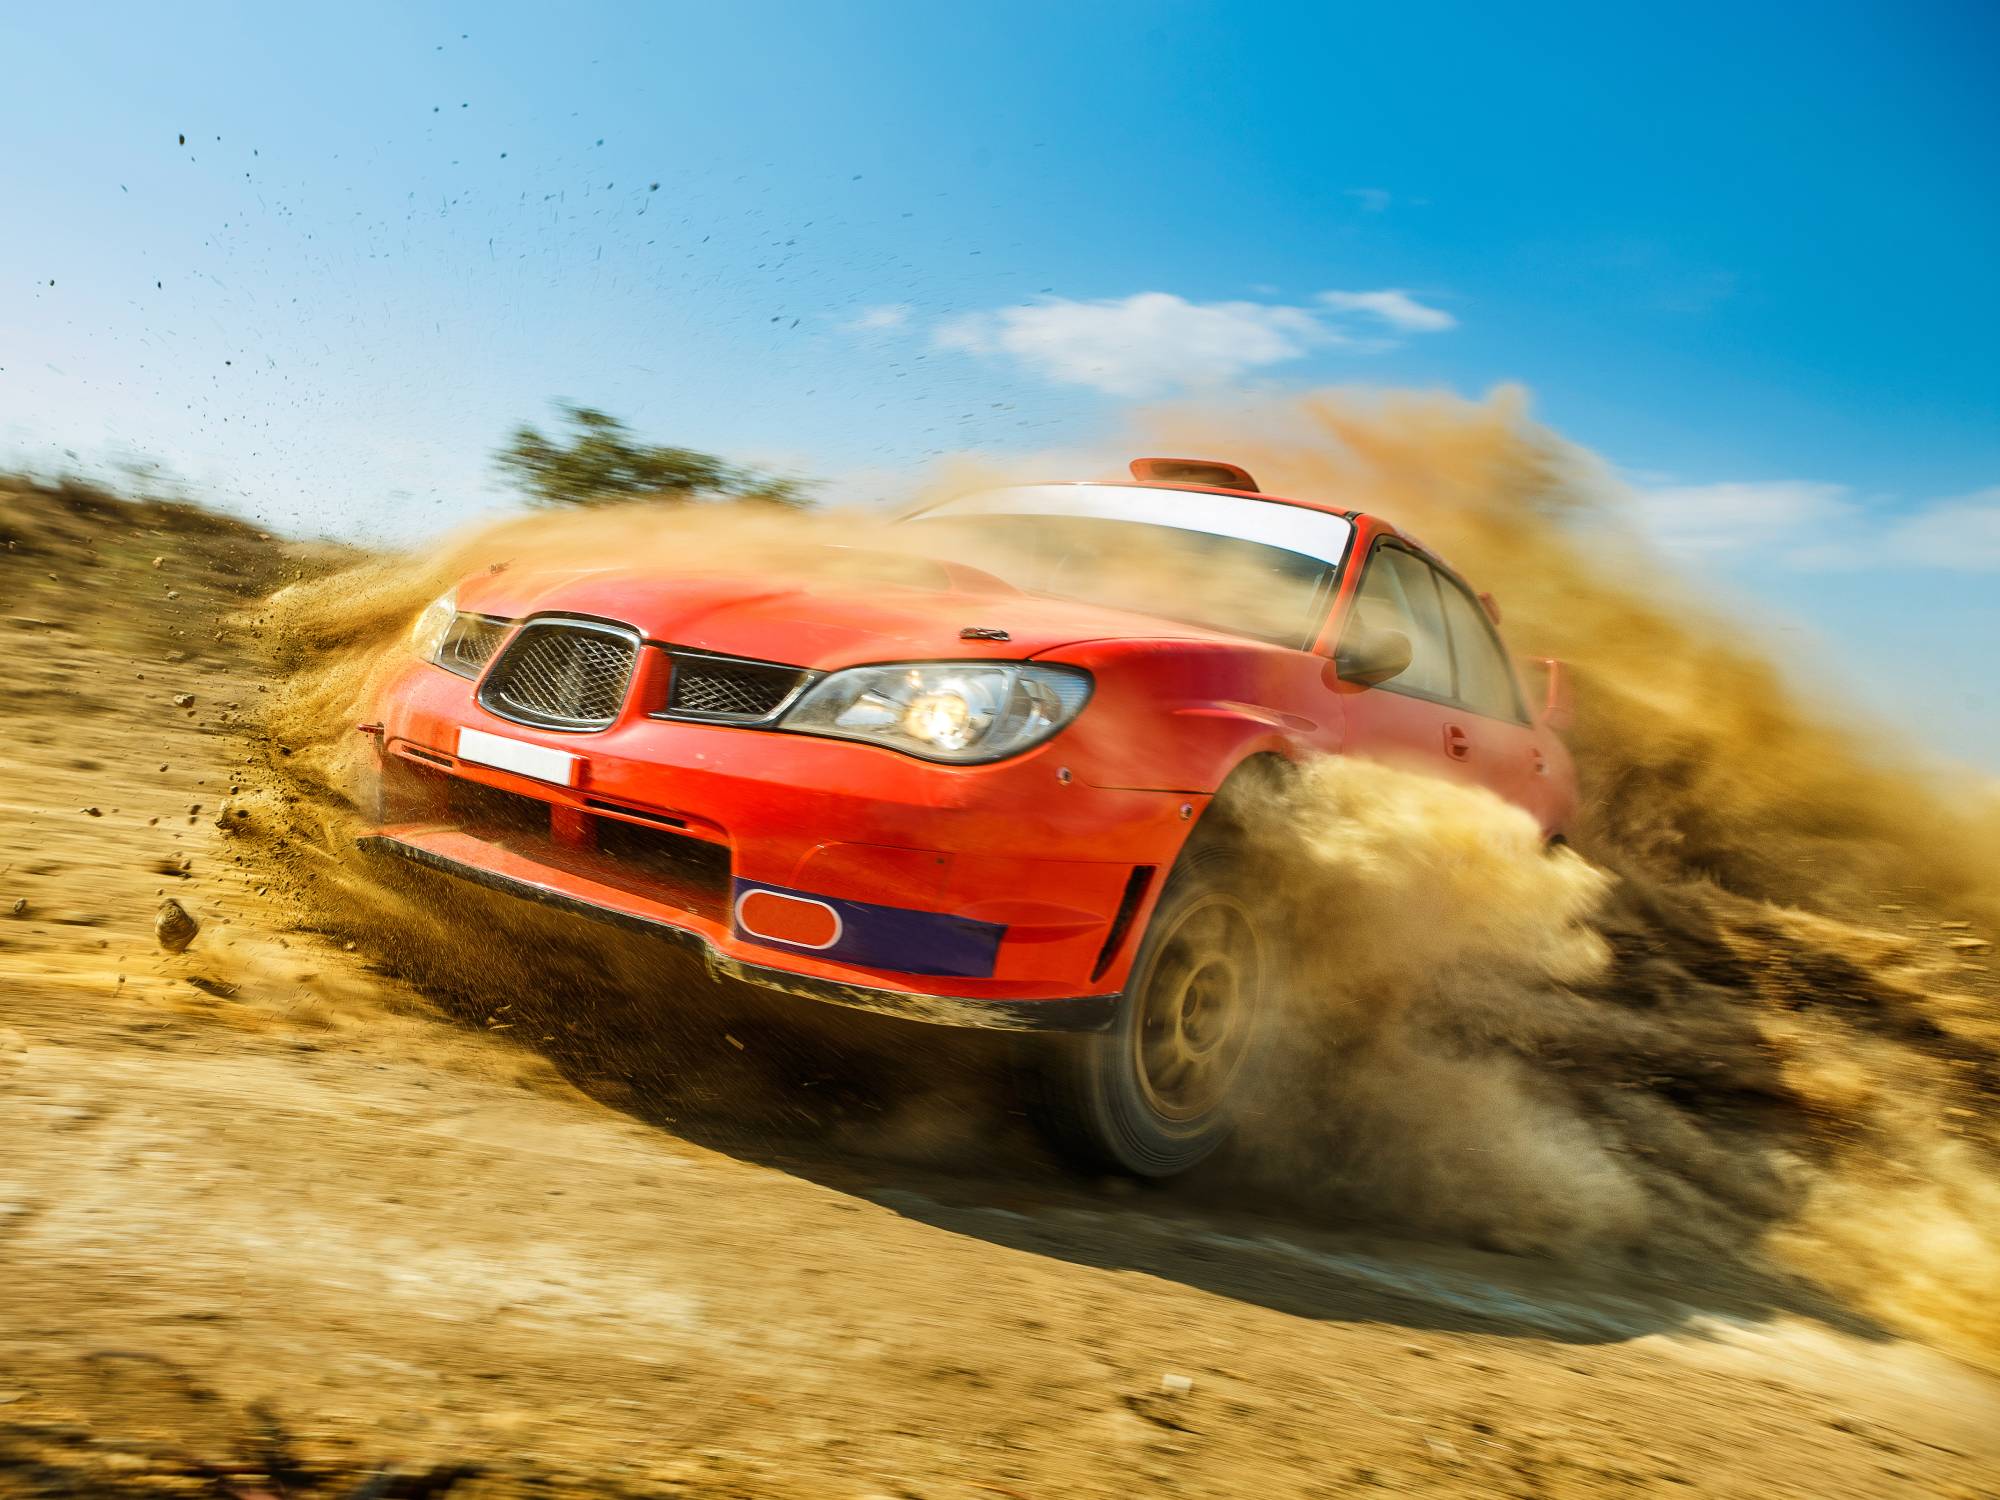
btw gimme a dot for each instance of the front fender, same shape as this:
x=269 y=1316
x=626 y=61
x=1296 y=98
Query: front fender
x=1180 y=715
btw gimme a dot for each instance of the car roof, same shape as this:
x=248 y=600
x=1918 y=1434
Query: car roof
x=1208 y=489
x=1364 y=521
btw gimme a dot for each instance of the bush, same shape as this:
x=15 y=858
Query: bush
x=599 y=462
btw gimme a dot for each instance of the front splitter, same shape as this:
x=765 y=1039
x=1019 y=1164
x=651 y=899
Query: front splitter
x=1077 y=1013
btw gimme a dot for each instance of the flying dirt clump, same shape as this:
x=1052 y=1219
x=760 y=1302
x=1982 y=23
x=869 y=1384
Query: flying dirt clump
x=174 y=926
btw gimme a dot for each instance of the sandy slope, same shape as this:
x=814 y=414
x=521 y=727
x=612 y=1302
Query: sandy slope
x=271 y=1221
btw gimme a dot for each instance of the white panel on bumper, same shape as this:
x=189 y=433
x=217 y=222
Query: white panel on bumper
x=523 y=759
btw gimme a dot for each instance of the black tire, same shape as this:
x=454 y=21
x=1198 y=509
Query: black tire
x=1156 y=1094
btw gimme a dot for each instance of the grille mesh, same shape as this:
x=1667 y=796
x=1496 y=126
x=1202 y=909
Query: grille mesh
x=567 y=676
x=471 y=644
x=729 y=689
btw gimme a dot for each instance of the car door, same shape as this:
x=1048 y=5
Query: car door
x=1502 y=747
x=1410 y=720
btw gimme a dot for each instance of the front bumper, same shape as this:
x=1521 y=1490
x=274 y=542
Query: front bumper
x=1077 y=1013
x=1003 y=895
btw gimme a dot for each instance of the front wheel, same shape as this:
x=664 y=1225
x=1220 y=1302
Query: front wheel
x=1157 y=1092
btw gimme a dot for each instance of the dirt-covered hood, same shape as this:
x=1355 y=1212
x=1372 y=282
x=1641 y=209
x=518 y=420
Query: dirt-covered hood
x=818 y=622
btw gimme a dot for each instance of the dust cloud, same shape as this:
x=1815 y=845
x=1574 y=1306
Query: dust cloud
x=1699 y=757
x=1727 y=1023
x=1736 y=1024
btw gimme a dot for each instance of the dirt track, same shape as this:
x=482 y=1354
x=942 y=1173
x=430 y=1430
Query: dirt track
x=272 y=1221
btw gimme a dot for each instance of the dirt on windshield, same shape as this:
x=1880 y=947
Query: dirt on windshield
x=1665 y=1165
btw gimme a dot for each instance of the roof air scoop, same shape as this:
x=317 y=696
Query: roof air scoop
x=1211 y=472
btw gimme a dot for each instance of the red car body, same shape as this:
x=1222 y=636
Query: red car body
x=1007 y=894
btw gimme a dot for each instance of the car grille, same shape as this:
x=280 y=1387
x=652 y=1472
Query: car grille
x=712 y=687
x=471 y=644
x=562 y=674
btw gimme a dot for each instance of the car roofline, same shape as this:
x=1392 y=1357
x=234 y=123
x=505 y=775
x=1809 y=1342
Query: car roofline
x=1364 y=521
x=1372 y=522
x=1367 y=524
x=1198 y=489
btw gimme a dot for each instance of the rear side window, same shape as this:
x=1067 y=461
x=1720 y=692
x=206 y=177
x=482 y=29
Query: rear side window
x=1399 y=592
x=1485 y=684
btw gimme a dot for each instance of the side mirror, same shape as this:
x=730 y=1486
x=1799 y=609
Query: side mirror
x=1558 y=694
x=1371 y=657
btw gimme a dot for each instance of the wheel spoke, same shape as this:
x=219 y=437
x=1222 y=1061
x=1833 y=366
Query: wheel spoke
x=1162 y=1061
x=1195 y=1010
x=1205 y=931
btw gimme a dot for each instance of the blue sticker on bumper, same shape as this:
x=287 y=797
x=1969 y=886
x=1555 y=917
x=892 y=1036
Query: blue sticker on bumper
x=895 y=938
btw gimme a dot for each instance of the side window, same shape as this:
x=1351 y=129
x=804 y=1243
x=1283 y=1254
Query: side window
x=1398 y=592
x=1485 y=685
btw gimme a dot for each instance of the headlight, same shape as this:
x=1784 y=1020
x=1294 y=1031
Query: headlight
x=433 y=625
x=957 y=711
x=461 y=644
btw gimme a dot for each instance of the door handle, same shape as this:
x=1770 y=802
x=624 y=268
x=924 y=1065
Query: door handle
x=1457 y=743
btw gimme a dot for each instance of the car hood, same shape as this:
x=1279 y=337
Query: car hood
x=817 y=622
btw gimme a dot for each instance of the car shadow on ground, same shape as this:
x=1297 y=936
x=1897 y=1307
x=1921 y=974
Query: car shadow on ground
x=926 y=1121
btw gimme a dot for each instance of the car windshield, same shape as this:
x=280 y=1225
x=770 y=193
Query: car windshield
x=1249 y=567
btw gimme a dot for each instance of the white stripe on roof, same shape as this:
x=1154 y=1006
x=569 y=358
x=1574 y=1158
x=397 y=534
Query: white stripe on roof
x=1311 y=533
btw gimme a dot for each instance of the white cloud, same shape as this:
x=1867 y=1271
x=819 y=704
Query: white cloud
x=1962 y=534
x=1153 y=342
x=878 y=319
x=1142 y=344
x=1715 y=521
x=1372 y=200
x=1393 y=306
x=1809 y=526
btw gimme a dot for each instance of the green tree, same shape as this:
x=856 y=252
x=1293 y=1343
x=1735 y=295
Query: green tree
x=599 y=462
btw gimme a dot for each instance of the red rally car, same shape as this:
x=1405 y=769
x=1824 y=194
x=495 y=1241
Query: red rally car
x=989 y=784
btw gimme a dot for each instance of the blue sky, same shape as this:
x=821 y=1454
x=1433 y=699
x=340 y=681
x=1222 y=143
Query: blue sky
x=1744 y=252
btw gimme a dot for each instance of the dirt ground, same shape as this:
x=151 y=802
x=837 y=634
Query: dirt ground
x=276 y=1221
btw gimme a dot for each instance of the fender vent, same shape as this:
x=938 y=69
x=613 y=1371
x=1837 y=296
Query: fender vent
x=1128 y=907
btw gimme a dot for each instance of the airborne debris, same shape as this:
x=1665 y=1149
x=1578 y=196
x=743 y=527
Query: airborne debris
x=174 y=927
